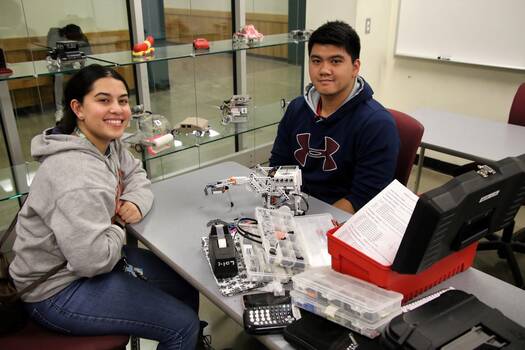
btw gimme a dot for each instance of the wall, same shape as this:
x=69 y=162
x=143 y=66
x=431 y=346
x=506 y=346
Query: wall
x=104 y=22
x=317 y=13
x=91 y=16
x=408 y=83
x=186 y=20
x=279 y=7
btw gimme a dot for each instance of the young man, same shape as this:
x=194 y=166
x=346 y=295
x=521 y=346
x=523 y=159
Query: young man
x=344 y=141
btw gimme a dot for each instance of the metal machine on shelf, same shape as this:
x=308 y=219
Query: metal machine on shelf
x=66 y=53
x=235 y=110
x=154 y=132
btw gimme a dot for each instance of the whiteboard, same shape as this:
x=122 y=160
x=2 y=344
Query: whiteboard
x=484 y=32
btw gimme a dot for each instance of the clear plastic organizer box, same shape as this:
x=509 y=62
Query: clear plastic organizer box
x=258 y=268
x=281 y=239
x=338 y=315
x=355 y=298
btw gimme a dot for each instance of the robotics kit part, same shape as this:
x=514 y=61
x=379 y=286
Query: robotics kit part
x=66 y=53
x=281 y=240
x=153 y=134
x=300 y=34
x=201 y=44
x=216 y=188
x=278 y=186
x=144 y=48
x=235 y=110
x=248 y=34
x=193 y=125
x=158 y=143
x=222 y=254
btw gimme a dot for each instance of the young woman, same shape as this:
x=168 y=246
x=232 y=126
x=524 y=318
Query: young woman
x=87 y=187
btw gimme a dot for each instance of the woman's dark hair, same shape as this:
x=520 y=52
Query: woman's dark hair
x=337 y=33
x=79 y=86
x=72 y=32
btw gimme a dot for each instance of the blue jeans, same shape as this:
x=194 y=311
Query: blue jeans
x=163 y=308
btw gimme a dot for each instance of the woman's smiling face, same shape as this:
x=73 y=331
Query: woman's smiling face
x=104 y=112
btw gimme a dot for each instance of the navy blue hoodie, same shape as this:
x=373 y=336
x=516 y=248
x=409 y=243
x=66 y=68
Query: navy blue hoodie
x=350 y=154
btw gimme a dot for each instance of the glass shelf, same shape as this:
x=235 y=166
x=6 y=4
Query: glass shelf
x=25 y=172
x=31 y=69
x=15 y=181
x=162 y=53
x=169 y=52
x=259 y=117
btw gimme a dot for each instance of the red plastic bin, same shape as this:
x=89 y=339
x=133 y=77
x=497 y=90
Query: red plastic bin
x=347 y=260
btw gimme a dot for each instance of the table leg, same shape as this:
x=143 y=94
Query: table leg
x=419 y=168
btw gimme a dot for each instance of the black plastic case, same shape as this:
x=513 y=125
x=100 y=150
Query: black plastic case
x=456 y=319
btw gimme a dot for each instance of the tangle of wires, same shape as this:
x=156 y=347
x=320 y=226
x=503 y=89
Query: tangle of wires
x=246 y=233
x=306 y=204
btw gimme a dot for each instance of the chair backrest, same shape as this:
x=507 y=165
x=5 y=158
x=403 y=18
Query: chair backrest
x=410 y=134
x=517 y=110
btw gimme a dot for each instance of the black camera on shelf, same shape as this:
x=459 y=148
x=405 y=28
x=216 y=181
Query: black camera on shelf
x=66 y=52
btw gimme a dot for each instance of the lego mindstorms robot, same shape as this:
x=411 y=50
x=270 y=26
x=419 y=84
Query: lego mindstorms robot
x=154 y=133
x=235 y=110
x=279 y=186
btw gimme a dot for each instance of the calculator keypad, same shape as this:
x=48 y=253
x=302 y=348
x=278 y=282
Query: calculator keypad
x=274 y=315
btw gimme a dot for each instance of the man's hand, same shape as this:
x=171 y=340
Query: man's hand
x=129 y=213
x=344 y=204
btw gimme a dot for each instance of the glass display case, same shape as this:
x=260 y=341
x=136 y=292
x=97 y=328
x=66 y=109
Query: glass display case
x=177 y=81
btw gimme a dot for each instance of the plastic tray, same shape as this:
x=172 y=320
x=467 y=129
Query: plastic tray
x=338 y=315
x=287 y=251
x=350 y=261
x=357 y=298
x=258 y=268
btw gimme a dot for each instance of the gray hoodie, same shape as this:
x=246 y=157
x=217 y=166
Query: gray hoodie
x=67 y=215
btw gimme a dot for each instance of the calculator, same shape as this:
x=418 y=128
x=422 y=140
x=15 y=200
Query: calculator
x=266 y=313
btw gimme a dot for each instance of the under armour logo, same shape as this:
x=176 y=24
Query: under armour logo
x=330 y=148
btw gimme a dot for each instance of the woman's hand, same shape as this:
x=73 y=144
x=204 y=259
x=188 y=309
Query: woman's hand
x=129 y=212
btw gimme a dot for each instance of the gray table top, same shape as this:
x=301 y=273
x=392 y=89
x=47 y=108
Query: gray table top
x=177 y=221
x=470 y=137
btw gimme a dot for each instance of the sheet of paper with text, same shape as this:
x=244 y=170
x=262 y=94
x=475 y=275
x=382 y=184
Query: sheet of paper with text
x=377 y=229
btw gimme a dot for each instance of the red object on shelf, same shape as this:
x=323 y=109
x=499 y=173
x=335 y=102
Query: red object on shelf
x=144 y=48
x=347 y=260
x=6 y=71
x=201 y=43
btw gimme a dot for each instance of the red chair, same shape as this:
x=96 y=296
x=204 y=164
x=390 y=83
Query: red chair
x=517 y=110
x=410 y=134
x=510 y=241
x=34 y=337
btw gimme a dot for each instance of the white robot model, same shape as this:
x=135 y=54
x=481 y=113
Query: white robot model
x=154 y=133
x=235 y=110
x=279 y=186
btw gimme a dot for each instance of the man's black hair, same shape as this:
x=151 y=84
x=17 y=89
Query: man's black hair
x=339 y=34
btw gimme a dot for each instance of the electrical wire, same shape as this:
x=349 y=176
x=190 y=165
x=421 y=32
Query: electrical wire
x=305 y=203
x=246 y=234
